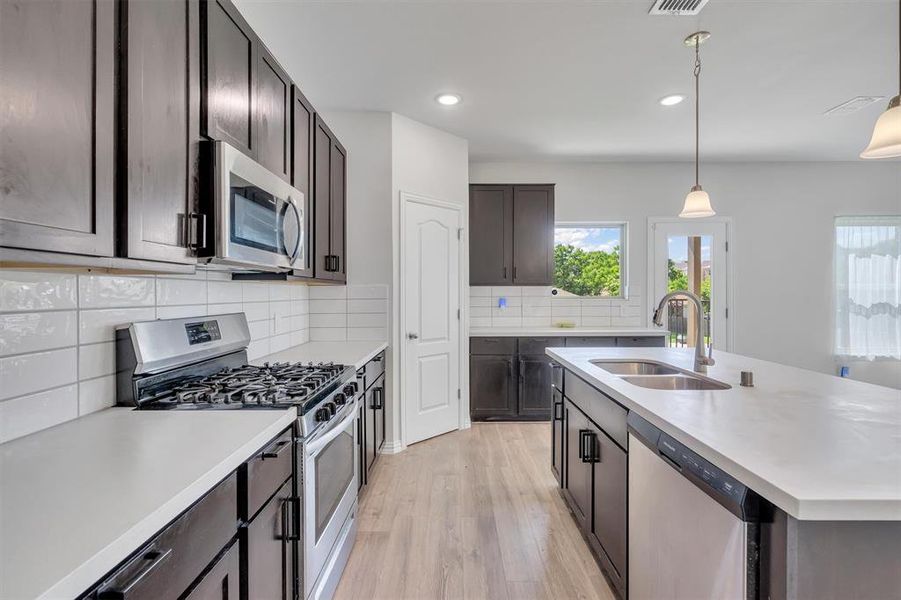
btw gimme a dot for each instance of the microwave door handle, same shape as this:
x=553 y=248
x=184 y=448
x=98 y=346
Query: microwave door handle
x=292 y=254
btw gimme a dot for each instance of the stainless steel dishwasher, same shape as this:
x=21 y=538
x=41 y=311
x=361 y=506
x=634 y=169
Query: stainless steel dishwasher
x=694 y=531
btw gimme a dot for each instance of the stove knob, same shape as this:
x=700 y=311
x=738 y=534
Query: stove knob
x=340 y=399
x=323 y=415
x=350 y=389
x=332 y=408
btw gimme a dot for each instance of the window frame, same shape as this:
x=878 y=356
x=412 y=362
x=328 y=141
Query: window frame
x=623 y=255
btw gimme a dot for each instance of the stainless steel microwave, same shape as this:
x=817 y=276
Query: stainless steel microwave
x=260 y=220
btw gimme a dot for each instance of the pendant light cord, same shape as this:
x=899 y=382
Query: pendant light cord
x=698 y=111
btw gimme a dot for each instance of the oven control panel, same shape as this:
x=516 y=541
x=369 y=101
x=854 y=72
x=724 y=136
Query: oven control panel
x=202 y=332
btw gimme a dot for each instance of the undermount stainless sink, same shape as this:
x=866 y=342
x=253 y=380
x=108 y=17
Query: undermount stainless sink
x=675 y=382
x=635 y=367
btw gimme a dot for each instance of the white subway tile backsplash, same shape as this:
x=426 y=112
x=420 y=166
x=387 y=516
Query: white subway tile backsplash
x=328 y=320
x=506 y=321
x=479 y=292
x=35 y=331
x=100 y=325
x=222 y=292
x=27 y=414
x=255 y=291
x=480 y=301
x=96 y=394
x=181 y=312
x=566 y=311
x=329 y=306
x=536 y=311
x=367 y=306
x=367 y=320
x=506 y=290
x=536 y=291
x=29 y=373
x=367 y=291
x=171 y=292
x=595 y=321
x=626 y=321
x=328 y=292
x=536 y=321
x=70 y=353
x=597 y=310
x=27 y=290
x=480 y=311
x=96 y=360
x=328 y=334
x=480 y=322
x=367 y=333
x=108 y=291
x=509 y=300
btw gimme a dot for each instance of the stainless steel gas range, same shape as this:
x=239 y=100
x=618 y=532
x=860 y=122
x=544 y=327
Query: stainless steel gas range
x=200 y=364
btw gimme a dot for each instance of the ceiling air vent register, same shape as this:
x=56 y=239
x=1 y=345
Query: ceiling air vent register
x=682 y=8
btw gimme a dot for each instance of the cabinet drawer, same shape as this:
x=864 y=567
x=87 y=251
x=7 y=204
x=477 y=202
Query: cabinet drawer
x=590 y=342
x=266 y=471
x=168 y=564
x=374 y=369
x=222 y=578
x=539 y=345
x=656 y=341
x=604 y=411
x=492 y=345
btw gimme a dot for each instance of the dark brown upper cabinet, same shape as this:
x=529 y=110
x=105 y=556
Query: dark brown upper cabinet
x=158 y=174
x=57 y=157
x=273 y=115
x=329 y=181
x=303 y=121
x=511 y=234
x=490 y=235
x=229 y=48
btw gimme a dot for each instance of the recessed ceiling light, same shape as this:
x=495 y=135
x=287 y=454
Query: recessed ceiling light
x=672 y=100
x=448 y=99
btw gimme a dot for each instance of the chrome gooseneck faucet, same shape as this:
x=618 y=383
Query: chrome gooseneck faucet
x=702 y=360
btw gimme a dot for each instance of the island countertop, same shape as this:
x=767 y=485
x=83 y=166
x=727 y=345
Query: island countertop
x=819 y=447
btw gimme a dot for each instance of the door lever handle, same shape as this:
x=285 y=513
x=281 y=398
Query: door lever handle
x=412 y=336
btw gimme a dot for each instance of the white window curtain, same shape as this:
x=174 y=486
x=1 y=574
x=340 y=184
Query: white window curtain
x=868 y=287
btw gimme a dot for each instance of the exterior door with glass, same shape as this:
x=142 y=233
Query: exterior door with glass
x=691 y=255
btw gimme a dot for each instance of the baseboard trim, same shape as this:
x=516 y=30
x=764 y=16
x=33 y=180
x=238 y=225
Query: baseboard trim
x=392 y=447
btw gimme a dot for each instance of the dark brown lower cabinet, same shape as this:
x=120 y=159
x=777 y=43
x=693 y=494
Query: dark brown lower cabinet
x=578 y=465
x=608 y=531
x=222 y=581
x=558 y=437
x=534 y=387
x=361 y=446
x=492 y=387
x=374 y=422
x=269 y=548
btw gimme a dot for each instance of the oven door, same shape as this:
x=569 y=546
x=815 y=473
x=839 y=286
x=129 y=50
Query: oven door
x=329 y=492
x=261 y=219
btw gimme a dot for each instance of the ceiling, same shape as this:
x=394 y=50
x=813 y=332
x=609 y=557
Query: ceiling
x=580 y=80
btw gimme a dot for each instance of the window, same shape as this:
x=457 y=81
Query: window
x=868 y=287
x=588 y=259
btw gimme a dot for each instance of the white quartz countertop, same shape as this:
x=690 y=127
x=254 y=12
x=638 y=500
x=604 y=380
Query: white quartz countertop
x=563 y=332
x=345 y=353
x=77 y=499
x=819 y=447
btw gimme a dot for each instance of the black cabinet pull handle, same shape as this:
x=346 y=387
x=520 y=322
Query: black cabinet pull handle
x=514 y=273
x=337 y=263
x=153 y=558
x=198 y=239
x=270 y=454
x=556 y=406
x=505 y=274
x=582 y=433
x=522 y=370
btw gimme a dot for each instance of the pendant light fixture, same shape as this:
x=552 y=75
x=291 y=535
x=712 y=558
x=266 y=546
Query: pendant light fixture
x=886 y=141
x=697 y=202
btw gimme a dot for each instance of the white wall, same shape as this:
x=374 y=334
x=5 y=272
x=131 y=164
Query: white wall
x=57 y=332
x=782 y=240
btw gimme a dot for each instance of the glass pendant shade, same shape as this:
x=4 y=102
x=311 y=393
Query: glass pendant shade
x=886 y=142
x=697 y=204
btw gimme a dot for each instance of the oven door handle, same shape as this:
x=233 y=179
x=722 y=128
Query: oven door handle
x=313 y=448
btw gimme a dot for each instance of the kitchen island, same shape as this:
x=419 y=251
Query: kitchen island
x=824 y=452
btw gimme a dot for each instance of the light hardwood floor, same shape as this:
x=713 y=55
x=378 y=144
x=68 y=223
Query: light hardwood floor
x=470 y=514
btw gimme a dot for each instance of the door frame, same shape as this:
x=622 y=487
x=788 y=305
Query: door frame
x=406 y=198
x=730 y=250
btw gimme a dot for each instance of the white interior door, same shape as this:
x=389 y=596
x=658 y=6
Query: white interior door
x=430 y=263
x=685 y=254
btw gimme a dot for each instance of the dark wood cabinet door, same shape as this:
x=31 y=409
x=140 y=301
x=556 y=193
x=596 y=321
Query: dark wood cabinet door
x=610 y=477
x=558 y=437
x=322 y=183
x=533 y=235
x=302 y=124
x=379 y=414
x=578 y=468
x=492 y=388
x=371 y=416
x=490 y=234
x=228 y=94
x=535 y=392
x=269 y=551
x=361 y=446
x=57 y=101
x=222 y=581
x=338 y=208
x=160 y=77
x=273 y=114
